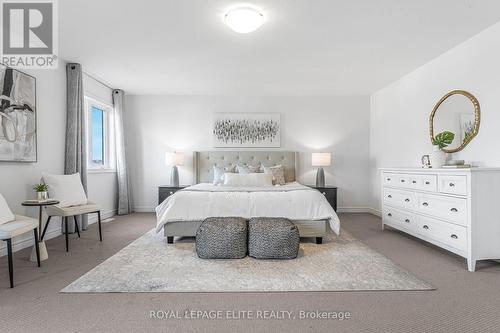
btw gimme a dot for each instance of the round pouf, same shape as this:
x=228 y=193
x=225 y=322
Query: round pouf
x=272 y=238
x=222 y=238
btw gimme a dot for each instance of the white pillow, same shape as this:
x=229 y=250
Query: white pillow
x=219 y=173
x=250 y=179
x=68 y=189
x=5 y=212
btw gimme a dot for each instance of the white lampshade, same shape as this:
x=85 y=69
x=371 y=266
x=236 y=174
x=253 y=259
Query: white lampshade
x=321 y=159
x=174 y=159
x=243 y=19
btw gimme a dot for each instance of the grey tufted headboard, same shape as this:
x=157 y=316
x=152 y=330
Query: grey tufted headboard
x=205 y=160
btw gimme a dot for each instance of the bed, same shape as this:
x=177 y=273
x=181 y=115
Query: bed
x=182 y=213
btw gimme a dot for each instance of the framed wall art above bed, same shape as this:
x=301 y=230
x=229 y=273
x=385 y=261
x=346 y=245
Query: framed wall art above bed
x=18 y=137
x=246 y=130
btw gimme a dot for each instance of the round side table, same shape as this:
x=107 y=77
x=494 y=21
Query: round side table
x=40 y=204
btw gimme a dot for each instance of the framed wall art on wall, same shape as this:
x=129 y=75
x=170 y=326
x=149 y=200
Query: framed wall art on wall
x=246 y=130
x=18 y=137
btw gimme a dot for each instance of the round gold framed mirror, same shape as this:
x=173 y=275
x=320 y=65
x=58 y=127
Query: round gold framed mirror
x=457 y=112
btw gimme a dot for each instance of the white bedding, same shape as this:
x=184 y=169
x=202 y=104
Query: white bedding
x=293 y=201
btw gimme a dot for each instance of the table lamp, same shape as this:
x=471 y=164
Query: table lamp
x=174 y=159
x=321 y=160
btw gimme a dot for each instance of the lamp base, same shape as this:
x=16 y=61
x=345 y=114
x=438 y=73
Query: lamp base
x=320 y=178
x=174 y=177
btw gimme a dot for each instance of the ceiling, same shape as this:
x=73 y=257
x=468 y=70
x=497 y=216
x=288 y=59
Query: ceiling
x=305 y=47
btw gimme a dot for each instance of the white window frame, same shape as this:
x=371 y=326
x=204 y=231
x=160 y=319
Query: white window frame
x=108 y=129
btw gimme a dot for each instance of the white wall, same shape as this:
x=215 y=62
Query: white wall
x=399 y=132
x=156 y=124
x=17 y=179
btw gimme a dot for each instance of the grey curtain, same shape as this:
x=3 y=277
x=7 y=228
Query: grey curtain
x=124 y=191
x=76 y=136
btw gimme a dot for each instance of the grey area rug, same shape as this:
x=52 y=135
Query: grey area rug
x=339 y=264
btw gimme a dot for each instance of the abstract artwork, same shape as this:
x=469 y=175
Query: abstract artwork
x=17 y=116
x=246 y=130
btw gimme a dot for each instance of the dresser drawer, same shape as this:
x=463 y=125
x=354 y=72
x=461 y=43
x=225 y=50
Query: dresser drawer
x=399 y=198
x=389 y=179
x=411 y=181
x=399 y=218
x=452 y=184
x=452 y=209
x=423 y=182
x=447 y=233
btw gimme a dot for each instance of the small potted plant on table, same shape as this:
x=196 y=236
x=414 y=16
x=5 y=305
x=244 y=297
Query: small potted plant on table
x=41 y=191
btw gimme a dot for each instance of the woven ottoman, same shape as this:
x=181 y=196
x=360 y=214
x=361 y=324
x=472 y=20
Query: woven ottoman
x=272 y=238
x=222 y=238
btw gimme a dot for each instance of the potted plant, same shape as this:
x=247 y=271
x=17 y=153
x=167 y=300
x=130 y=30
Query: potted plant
x=41 y=191
x=440 y=141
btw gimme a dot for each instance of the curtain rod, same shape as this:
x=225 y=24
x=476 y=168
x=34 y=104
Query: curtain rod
x=96 y=79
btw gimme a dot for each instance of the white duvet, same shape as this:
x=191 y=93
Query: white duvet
x=293 y=201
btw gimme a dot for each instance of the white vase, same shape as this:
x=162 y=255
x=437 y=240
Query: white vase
x=437 y=158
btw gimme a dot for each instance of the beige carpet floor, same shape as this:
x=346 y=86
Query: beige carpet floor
x=463 y=301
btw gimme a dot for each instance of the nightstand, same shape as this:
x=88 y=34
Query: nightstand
x=166 y=191
x=330 y=193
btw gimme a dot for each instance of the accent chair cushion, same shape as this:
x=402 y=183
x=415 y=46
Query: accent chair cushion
x=68 y=189
x=57 y=210
x=6 y=214
x=20 y=225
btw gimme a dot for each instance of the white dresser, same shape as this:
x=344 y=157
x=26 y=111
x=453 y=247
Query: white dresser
x=456 y=209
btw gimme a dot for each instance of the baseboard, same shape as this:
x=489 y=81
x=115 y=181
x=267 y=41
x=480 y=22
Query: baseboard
x=144 y=209
x=375 y=212
x=353 y=210
x=54 y=230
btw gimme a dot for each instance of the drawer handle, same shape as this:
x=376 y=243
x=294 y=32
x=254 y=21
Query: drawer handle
x=389 y=214
x=388 y=179
x=454 y=210
x=427 y=183
x=389 y=196
x=426 y=227
x=452 y=185
x=425 y=204
x=407 y=221
x=414 y=181
x=454 y=236
x=407 y=200
x=402 y=180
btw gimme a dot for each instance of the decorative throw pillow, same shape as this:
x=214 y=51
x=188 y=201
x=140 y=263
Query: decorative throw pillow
x=278 y=173
x=219 y=172
x=68 y=189
x=251 y=179
x=245 y=169
x=6 y=214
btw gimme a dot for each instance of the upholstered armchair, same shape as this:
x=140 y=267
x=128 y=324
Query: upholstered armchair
x=14 y=225
x=68 y=189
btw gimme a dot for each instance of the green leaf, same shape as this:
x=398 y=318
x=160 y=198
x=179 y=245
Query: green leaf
x=443 y=139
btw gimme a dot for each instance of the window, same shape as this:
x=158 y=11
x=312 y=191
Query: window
x=99 y=135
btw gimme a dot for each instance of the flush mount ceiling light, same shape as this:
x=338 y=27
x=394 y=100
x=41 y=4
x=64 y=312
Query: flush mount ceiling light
x=243 y=19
